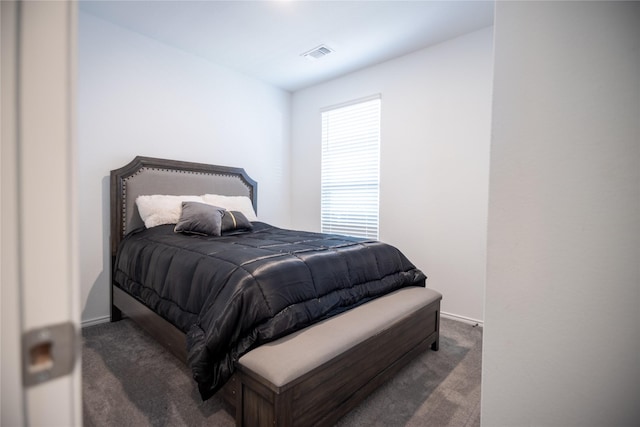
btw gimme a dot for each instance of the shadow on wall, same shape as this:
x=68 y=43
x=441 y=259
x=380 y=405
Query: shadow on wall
x=97 y=304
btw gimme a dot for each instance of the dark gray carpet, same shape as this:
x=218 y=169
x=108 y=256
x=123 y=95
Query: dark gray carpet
x=129 y=380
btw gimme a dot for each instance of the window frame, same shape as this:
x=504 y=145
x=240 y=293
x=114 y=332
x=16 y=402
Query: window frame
x=351 y=138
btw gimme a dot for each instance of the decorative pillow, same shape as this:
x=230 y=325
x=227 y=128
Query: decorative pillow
x=232 y=203
x=200 y=218
x=235 y=220
x=160 y=209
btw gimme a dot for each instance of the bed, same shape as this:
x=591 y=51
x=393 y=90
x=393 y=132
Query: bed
x=285 y=282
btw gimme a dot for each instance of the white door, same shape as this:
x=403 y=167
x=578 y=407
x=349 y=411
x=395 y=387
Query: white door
x=40 y=314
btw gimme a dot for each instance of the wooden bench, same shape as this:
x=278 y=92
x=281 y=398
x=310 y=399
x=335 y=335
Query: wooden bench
x=317 y=375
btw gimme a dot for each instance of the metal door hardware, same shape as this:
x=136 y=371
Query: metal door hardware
x=48 y=353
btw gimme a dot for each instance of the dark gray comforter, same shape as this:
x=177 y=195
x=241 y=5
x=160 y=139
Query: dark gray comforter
x=232 y=293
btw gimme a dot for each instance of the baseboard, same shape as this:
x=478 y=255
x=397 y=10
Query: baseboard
x=464 y=319
x=474 y=322
x=96 y=321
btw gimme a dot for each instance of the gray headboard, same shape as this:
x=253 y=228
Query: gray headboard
x=147 y=175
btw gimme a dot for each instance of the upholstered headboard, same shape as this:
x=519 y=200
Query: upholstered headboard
x=147 y=176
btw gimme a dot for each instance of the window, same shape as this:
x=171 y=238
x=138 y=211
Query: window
x=351 y=168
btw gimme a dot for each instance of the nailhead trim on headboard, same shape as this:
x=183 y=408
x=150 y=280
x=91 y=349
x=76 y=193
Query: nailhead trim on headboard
x=123 y=178
x=123 y=225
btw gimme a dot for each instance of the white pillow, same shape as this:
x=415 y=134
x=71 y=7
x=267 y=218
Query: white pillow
x=159 y=209
x=232 y=203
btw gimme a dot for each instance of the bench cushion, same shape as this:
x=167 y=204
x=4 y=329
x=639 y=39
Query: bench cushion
x=290 y=357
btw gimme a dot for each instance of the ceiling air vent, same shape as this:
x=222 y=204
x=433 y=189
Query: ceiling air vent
x=318 y=52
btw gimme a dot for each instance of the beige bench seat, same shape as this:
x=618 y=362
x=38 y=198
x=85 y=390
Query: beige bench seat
x=282 y=361
x=315 y=375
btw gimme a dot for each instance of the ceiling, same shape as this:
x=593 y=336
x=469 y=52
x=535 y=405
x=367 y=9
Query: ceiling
x=265 y=39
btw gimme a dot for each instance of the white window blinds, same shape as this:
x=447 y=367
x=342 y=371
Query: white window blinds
x=351 y=169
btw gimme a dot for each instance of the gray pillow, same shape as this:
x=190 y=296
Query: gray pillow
x=200 y=218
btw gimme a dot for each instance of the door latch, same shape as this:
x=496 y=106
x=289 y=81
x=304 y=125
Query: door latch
x=48 y=353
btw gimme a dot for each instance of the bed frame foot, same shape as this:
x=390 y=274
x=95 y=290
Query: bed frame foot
x=116 y=314
x=436 y=345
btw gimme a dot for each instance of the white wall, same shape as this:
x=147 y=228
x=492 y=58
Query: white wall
x=137 y=96
x=562 y=324
x=436 y=107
